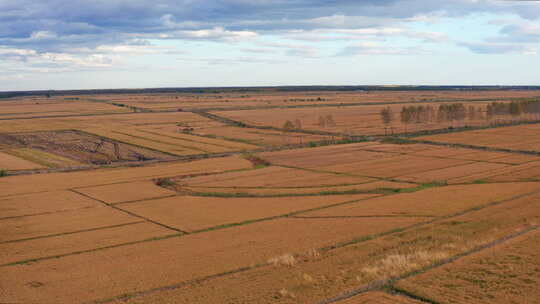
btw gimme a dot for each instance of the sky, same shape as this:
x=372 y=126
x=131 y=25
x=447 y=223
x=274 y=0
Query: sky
x=93 y=44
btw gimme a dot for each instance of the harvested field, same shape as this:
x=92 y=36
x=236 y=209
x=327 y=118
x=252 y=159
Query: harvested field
x=197 y=213
x=173 y=143
x=132 y=198
x=376 y=186
x=317 y=277
x=354 y=120
x=409 y=163
x=430 y=202
x=10 y=162
x=44 y=158
x=453 y=174
x=273 y=177
x=13 y=185
x=43 y=107
x=238 y=247
x=261 y=137
x=507 y=273
x=88 y=240
x=376 y=297
x=126 y=192
x=522 y=137
x=40 y=203
x=21 y=228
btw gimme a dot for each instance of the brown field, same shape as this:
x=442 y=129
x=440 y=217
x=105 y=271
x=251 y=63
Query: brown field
x=42 y=203
x=352 y=120
x=126 y=192
x=159 y=198
x=524 y=137
x=315 y=276
x=373 y=187
x=197 y=213
x=507 y=273
x=10 y=162
x=375 y=297
x=430 y=202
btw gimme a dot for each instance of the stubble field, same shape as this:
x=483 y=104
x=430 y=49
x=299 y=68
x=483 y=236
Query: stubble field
x=206 y=198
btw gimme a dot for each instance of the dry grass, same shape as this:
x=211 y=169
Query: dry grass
x=398 y=264
x=283 y=260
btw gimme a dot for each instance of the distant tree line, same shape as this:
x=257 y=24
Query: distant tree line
x=457 y=114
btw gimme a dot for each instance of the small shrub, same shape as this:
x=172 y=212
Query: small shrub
x=3 y=173
x=165 y=182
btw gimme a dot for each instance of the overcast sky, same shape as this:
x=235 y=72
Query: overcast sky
x=76 y=44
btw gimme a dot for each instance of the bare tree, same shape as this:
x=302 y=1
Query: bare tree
x=387 y=116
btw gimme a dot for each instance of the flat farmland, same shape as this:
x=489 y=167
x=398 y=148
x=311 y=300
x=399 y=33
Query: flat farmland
x=11 y=162
x=353 y=120
x=43 y=107
x=204 y=197
x=492 y=276
x=524 y=138
x=188 y=101
x=414 y=163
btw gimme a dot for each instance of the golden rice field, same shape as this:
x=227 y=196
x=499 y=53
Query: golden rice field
x=169 y=198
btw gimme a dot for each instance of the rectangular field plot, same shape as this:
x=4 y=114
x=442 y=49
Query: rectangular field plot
x=431 y=202
x=45 y=159
x=172 y=261
x=273 y=177
x=261 y=137
x=196 y=213
x=11 y=163
x=126 y=192
x=453 y=174
x=376 y=186
x=43 y=107
x=169 y=142
x=40 y=203
x=96 y=217
x=506 y=273
x=13 y=185
x=71 y=243
x=406 y=163
x=523 y=137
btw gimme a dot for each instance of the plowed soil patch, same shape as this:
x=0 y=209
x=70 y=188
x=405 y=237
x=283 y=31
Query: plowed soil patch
x=273 y=177
x=80 y=278
x=195 y=213
x=70 y=243
x=377 y=297
x=58 y=181
x=10 y=162
x=31 y=204
x=431 y=202
x=84 y=147
x=126 y=192
x=62 y=222
x=507 y=273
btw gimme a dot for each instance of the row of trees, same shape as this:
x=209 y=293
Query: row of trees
x=457 y=113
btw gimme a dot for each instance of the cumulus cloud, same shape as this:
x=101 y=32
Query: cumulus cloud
x=97 y=33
